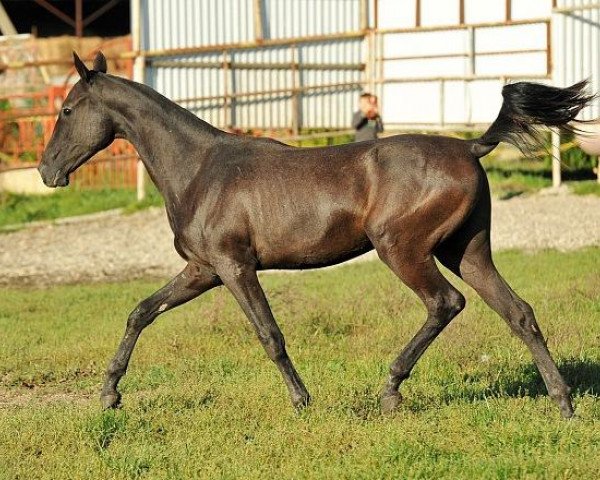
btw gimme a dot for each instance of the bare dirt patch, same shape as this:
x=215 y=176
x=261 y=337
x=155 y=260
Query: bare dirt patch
x=122 y=247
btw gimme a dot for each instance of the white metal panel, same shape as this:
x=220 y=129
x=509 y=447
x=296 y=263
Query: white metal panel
x=397 y=13
x=425 y=43
x=189 y=23
x=411 y=103
x=577 y=47
x=440 y=12
x=522 y=10
x=478 y=11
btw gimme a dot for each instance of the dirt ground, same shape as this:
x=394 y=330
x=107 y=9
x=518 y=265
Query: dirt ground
x=120 y=247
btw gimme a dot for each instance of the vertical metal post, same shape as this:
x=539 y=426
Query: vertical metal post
x=549 y=48
x=471 y=52
x=226 y=103
x=556 y=175
x=375 y=14
x=379 y=73
x=370 y=69
x=139 y=67
x=79 y=18
x=258 y=21
x=364 y=14
x=442 y=103
x=295 y=91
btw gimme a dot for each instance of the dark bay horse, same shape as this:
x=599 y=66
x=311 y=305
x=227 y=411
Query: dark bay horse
x=237 y=205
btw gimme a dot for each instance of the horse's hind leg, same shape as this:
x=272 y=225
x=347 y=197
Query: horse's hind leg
x=443 y=303
x=468 y=255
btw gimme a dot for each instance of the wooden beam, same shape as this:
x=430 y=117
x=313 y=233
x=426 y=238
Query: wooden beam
x=461 y=12
x=101 y=11
x=55 y=11
x=508 y=10
x=6 y=25
x=417 y=13
x=79 y=18
x=364 y=14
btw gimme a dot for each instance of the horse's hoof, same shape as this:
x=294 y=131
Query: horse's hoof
x=301 y=403
x=389 y=403
x=566 y=409
x=111 y=401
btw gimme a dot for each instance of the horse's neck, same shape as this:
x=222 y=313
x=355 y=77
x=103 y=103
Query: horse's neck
x=170 y=140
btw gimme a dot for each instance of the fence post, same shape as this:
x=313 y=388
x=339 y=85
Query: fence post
x=296 y=83
x=556 y=175
x=139 y=66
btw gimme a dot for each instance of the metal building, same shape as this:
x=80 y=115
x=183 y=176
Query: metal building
x=577 y=38
x=300 y=64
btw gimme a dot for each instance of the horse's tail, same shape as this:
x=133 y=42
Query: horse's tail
x=527 y=107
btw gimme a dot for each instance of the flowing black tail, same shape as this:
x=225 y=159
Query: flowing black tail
x=527 y=107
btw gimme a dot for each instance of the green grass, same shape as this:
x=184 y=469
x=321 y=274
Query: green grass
x=586 y=187
x=510 y=178
x=201 y=400
x=19 y=209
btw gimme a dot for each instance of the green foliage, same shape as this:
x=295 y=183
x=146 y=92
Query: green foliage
x=202 y=400
x=586 y=187
x=509 y=178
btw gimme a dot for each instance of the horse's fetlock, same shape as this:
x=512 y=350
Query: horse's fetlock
x=275 y=347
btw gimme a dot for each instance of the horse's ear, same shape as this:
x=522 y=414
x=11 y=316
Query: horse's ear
x=83 y=71
x=100 y=63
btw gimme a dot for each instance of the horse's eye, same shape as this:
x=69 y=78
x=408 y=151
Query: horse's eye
x=67 y=111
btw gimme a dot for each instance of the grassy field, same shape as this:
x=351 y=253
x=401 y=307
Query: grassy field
x=19 y=209
x=517 y=176
x=201 y=400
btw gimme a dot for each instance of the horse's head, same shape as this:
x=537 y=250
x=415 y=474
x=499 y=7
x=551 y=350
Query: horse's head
x=83 y=128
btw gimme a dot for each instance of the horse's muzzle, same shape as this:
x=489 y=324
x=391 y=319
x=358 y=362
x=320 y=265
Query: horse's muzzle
x=53 y=179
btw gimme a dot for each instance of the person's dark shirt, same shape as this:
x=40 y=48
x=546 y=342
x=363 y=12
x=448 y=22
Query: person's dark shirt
x=366 y=129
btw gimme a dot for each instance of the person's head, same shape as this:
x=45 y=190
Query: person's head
x=367 y=102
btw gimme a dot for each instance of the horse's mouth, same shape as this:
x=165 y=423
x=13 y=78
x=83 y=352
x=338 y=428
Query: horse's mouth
x=60 y=180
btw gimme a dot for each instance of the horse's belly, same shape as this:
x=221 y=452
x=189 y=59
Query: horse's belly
x=311 y=242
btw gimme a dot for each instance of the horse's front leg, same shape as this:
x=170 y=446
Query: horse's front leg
x=243 y=283
x=190 y=283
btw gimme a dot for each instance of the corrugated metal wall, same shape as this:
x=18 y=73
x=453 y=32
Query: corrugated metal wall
x=577 y=52
x=480 y=58
x=457 y=82
x=179 y=24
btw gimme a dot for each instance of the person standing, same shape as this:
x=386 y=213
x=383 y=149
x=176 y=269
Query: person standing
x=366 y=121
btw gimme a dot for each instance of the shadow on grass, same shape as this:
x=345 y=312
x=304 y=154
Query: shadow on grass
x=583 y=376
